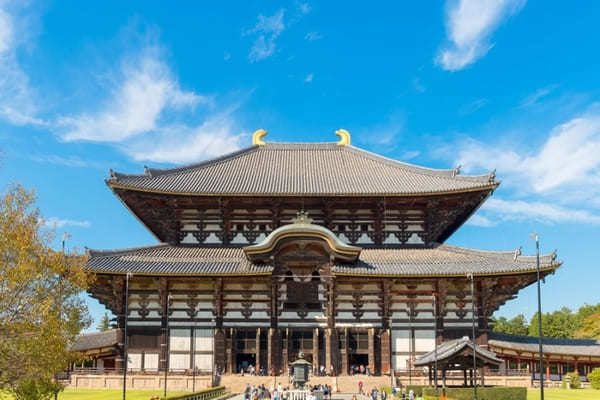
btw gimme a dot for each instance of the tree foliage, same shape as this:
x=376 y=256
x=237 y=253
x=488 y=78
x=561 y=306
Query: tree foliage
x=594 y=378
x=41 y=312
x=104 y=323
x=515 y=326
x=590 y=327
x=563 y=323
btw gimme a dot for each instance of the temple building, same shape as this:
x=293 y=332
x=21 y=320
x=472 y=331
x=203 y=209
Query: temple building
x=320 y=248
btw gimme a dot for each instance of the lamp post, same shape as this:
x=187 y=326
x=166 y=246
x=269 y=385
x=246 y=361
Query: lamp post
x=411 y=345
x=125 y=357
x=539 y=296
x=194 y=358
x=435 y=383
x=167 y=355
x=470 y=276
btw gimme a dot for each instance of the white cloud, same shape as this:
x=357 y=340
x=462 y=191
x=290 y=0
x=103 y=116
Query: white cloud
x=304 y=8
x=312 y=36
x=469 y=25
x=55 y=222
x=418 y=85
x=185 y=144
x=480 y=220
x=510 y=210
x=309 y=78
x=268 y=29
x=568 y=158
x=136 y=105
x=409 y=155
x=17 y=105
x=539 y=94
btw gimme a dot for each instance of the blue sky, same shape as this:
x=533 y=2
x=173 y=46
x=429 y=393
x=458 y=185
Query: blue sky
x=511 y=85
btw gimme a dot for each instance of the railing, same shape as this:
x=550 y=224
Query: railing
x=207 y=394
x=303 y=394
x=101 y=371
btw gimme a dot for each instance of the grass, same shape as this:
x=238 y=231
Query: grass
x=102 y=394
x=564 y=394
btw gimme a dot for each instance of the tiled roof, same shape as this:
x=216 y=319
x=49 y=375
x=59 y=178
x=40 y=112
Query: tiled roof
x=96 y=340
x=441 y=260
x=302 y=169
x=449 y=349
x=574 y=347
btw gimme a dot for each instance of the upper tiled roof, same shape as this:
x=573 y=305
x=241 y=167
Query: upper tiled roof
x=573 y=347
x=290 y=169
x=442 y=260
x=96 y=340
x=449 y=349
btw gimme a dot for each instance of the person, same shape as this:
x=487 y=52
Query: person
x=247 y=392
x=331 y=373
x=411 y=395
x=374 y=393
x=322 y=370
x=383 y=394
x=360 y=387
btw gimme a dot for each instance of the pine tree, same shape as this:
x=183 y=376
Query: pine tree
x=104 y=323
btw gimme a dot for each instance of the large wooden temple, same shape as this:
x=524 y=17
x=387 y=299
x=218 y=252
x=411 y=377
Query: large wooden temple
x=320 y=248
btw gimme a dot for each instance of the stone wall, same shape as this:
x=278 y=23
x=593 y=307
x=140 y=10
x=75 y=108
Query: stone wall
x=150 y=382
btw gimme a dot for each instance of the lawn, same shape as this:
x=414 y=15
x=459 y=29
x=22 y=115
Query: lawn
x=91 y=394
x=563 y=394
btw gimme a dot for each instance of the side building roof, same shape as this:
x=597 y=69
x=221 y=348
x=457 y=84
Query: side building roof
x=302 y=169
x=97 y=340
x=572 y=347
x=441 y=260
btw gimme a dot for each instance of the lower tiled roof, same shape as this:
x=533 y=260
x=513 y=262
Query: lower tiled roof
x=449 y=349
x=573 y=347
x=440 y=260
x=96 y=340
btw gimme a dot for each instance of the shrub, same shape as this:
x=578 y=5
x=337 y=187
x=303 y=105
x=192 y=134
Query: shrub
x=483 y=393
x=575 y=380
x=594 y=378
x=418 y=389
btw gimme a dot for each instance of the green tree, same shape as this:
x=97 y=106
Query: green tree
x=104 y=323
x=41 y=312
x=590 y=327
x=515 y=326
x=558 y=324
x=594 y=378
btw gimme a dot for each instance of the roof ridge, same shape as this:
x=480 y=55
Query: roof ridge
x=126 y=250
x=155 y=172
x=452 y=173
x=462 y=249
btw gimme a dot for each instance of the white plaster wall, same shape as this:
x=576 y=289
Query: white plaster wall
x=179 y=340
x=151 y=361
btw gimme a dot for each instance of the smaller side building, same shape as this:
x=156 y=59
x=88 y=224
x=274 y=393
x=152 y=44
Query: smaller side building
x=561 y=356
x=99 y=350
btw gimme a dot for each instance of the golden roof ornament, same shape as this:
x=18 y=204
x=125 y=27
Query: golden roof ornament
x=344 y=137
x=257 y=137
x=302 y=218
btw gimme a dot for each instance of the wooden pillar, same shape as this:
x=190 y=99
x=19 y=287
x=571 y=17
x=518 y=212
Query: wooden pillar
x=471 y=376
x=285 y=351
x=344 y=353
x=328 y=349
x=386 y=351
x=482 y=374
x=465 y=377
x=430 y=369
x=270 y=353
x=548 y=370
x=230 y=343
x=316 y=349
x=372 y=350
x=444 y=377
x=163 y=289
x=258 y=360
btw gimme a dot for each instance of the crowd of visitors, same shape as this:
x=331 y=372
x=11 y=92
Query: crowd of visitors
x=261 y=392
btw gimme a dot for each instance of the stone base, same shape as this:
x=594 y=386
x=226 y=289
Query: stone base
x=181 y=383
